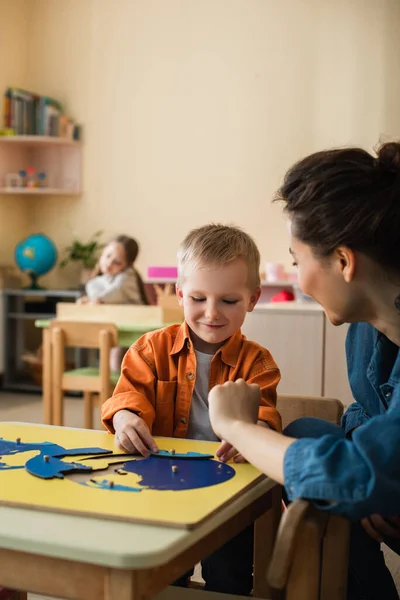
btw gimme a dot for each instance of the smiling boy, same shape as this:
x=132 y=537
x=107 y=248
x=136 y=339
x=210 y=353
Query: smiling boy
x=167 y=374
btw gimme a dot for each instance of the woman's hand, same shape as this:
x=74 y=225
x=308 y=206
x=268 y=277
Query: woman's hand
x=379 y=527
x=82 y=300
x=233 y=402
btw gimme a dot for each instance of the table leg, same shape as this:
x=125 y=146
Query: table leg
x=119 y=585
x=265 y=529
x=46 y=377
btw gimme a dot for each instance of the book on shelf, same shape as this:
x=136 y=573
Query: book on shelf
x=27 y=113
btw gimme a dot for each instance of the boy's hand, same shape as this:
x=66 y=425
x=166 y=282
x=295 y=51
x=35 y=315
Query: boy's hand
x=226 y=451
x=82 y=300
x=132 y=433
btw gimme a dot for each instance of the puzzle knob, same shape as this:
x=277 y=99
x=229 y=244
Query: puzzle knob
x=46 y=458
x=174 y=469
x=18 y=440
x=110 y=484
x=172 y=451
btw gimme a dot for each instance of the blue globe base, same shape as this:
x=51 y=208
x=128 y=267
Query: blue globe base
x=34 y=284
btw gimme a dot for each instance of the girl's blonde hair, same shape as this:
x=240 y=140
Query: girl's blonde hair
x=217 y=245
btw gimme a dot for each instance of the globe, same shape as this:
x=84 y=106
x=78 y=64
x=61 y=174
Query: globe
x=36 y=255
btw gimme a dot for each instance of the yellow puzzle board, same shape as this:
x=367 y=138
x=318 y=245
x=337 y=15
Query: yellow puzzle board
x=183 y=508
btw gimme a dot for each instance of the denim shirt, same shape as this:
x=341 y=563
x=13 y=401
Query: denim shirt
x=358 y=475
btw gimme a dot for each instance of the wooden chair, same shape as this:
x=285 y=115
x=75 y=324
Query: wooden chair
x=90 y=381
x=310 y=558
x=309 y=561
x=294 y=407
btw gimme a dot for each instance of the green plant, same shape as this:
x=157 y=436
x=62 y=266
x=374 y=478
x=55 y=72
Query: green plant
x=87 y=253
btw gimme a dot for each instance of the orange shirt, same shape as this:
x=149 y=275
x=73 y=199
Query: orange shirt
x=159 y=371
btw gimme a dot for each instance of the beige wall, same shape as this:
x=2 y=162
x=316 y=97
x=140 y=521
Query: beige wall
x=14 y=19
x=193 y=109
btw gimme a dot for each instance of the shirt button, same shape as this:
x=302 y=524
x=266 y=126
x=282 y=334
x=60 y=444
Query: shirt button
x=188 y=344
x=388 y=394
x=190 y=376
x=184 y=420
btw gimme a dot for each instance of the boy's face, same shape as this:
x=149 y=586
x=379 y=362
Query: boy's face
x=215 y=301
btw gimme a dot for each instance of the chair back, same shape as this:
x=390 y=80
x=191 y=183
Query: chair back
x=310 y=558
x=294 y=407
x=65 y=334
x=81 y=334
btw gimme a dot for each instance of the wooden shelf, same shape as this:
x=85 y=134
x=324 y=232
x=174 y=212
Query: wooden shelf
x=40 y=140
x=59 y=158
x=39 y=191
x=30 y=316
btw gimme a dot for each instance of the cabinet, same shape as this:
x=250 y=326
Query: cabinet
x=309 y=351
x=20 y=310
x=294 y=335
x=59 y=158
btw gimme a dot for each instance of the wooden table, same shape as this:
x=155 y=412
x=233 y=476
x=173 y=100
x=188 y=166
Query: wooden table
x=82 y=557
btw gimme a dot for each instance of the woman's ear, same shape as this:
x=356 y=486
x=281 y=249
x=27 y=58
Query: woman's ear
x=346 y=262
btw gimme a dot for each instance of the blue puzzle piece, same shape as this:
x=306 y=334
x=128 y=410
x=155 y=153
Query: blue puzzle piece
x=5 y=467
x=105 y=485
x=190 y=475
x=8 y=447
x=53 y=467
x=195 y=455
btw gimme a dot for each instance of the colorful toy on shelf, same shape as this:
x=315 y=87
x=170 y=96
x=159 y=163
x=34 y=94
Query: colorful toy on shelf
x=27 y=179
x=162 y=272
x=13 y=180
x=22 y=174
x=41 y=179
x=283 y=296
x=30 y=177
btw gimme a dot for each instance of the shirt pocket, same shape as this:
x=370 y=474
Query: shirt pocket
x=165 y=408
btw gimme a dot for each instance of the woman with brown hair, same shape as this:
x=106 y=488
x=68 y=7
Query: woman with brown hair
x=343 y=207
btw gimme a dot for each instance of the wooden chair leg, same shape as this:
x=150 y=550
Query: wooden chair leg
x=46 y=384
x=265 y=530
x=98 y=404
x=335 y=559
x=88 y=410
x=305 y=571
x=57 y=364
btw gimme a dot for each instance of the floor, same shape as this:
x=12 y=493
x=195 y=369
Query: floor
x=28 y=408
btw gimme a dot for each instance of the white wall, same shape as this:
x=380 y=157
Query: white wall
x=14 y=19
x=193 y=110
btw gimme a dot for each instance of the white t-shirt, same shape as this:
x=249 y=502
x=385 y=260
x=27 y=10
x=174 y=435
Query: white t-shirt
x=118 y=289
x=199 y=427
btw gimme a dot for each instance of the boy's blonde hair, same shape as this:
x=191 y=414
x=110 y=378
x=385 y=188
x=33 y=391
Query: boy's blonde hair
x=217 y=245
